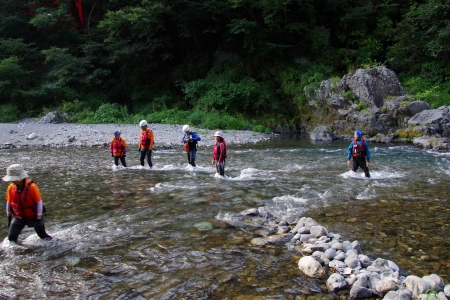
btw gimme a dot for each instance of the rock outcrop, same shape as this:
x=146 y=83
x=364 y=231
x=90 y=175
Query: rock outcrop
x=374 y=102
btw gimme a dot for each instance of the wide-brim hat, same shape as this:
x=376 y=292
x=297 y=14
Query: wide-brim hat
x=218 y=133
x=15 y=173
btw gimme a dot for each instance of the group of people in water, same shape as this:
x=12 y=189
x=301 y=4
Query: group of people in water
x=24 y=205
x=118 y=147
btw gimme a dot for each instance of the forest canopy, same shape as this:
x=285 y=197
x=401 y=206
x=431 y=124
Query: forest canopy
x=219 y=63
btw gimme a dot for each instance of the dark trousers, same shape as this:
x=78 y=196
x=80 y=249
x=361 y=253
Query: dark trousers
x=17 y=226
x=221 y=168
x=144 y=153
x=360 y=162
x=191 y=157
x=122 y=160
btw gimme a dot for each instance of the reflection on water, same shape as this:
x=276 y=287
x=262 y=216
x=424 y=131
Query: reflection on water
x=161 y=233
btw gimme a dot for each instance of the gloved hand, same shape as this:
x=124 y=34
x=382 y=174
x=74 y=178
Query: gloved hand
x=9 y=221
x=39 y=222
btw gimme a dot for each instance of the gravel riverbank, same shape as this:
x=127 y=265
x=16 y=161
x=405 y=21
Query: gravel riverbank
x=32 y=134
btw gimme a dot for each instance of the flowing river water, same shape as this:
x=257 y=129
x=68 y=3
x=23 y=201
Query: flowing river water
x=137 y=233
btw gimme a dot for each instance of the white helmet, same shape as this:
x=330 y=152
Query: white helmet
x=143 y=123
x=186 y=128
x=218 y=133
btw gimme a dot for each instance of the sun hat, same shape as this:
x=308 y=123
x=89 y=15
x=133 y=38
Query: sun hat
x=15 y=173
x=116 y=132
x=218 y=133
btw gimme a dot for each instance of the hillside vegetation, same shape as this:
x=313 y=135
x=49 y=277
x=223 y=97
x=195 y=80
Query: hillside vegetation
x=218 y=63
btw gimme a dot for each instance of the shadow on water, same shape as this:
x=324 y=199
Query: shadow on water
x=137 y=233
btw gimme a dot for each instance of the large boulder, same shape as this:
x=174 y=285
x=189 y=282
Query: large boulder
x=321 y=133
x=436 y=118
x=372 y=86
x=54 y=117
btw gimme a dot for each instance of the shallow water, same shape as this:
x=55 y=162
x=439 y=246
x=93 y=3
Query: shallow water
x=137 y=233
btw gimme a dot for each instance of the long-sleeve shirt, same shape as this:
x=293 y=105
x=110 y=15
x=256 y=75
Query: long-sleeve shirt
x=358 y=142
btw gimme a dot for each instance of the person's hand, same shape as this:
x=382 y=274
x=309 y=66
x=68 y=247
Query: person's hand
x=9 y=221
x=368 y=164
x=112 y=155
x=348 y=163
x=124 y=154
x=212 y=162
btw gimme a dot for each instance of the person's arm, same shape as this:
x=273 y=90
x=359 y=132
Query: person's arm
x=183 y=137
x=37 y=198
x=111 y=147
x=39 y=208
x=195 y=137
x=349 y=151
x=124 y=144
x=8 y=205
x=368 y=155
x=152 y=139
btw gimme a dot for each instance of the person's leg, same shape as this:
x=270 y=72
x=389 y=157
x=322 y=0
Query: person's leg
x=355 y=164
x=39 y=227
x=143 y=152
x=222 y=169
x=15 y=229
x=189 y=157
x=194 y=154
x=363 y=165
x=122 y=160
x=149 y=158
x=116 y=160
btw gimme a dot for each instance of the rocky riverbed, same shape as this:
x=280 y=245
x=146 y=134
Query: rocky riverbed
x=29 y=133
x=326 y=255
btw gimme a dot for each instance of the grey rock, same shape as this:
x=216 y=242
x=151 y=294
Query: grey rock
x=321 y=133
x=336 y=282
x=311 y=267
x=436 y=282
x=398 y=295
x=416 y=285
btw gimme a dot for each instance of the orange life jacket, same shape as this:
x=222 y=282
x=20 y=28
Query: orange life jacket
x=144 y=139
x=117 y=146
x=23 y=206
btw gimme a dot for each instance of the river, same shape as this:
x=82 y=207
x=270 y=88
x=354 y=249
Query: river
x=162 y=233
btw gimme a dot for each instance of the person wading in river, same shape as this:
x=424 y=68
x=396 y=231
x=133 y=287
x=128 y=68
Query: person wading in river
x=146 y=140
x=24 y=205
x=190 y=140
x=359 y=150
x=219 y=153
x=118 y=148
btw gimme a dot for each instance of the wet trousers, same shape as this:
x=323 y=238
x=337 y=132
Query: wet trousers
x=17 y=225
x=143 y=154
x=221 y=168
x=122 y=160
x=191 y=157
x=360 y=162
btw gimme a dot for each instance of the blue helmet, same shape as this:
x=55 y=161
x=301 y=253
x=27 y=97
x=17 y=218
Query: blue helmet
x=358 y=133
x=116 y=132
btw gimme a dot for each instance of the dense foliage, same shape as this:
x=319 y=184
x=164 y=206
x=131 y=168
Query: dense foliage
x=219 y=63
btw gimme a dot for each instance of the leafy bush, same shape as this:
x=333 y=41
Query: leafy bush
x=9 y=113
x=362 y=105
x=261 y=128
x=109 y=113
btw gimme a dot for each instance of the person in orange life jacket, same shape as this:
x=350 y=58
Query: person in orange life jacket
x=359 y=150
x=24 y=205
x=146 y=140
x=190 y=139
x=118 y=148
x=219 y=153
